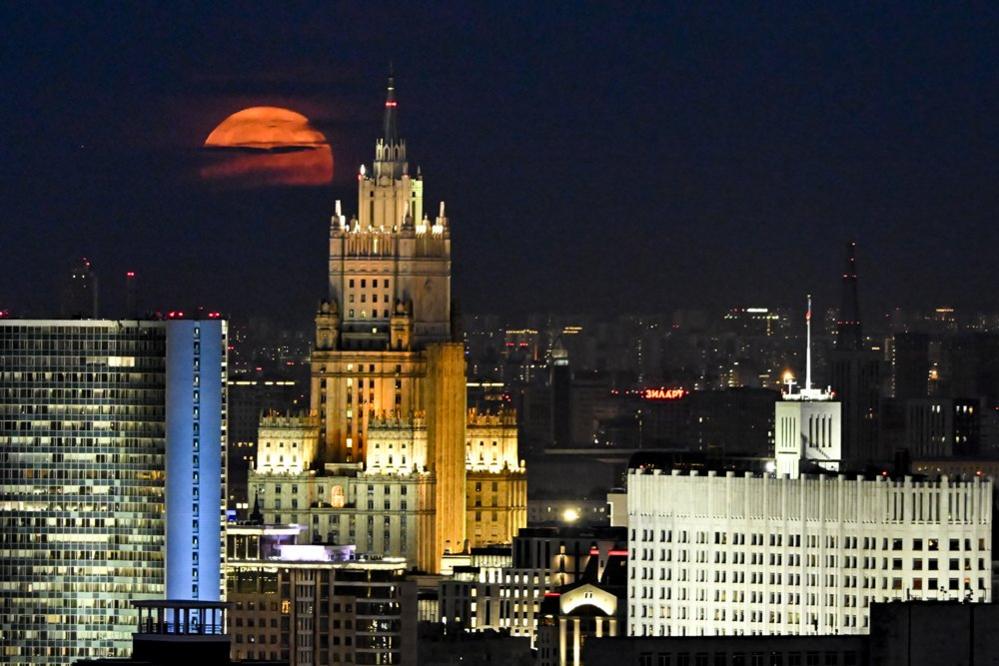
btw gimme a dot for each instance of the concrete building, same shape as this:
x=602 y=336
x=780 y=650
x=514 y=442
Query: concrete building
x=112 y=459
x=755 y=554
x=395 y=464
x=315 y=605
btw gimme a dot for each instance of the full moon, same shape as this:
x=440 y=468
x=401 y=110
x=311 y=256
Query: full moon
x=268 y=145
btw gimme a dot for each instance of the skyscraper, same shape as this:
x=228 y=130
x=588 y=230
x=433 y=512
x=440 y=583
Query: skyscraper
x=856 y=375
x=388 y=384
x=111 y=449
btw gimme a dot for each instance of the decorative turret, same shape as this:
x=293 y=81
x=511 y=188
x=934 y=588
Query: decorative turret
x=327 y=326
x=401 y=326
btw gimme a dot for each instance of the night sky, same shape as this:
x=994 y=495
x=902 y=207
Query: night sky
x=639 y=157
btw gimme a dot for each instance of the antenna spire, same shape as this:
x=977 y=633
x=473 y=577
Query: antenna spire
x=808 y=345
x=390 y=127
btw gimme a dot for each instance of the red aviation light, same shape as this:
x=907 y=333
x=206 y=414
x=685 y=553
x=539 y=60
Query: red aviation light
x=391 y=104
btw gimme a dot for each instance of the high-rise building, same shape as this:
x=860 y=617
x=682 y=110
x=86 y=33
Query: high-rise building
x=111 y=455
x=388 y=387
x=856 y=375
x=731 y=554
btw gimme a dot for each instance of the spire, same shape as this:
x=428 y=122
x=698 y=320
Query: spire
x=808 y=345
x=256 y=517
x=849 y=335
x=390 y=127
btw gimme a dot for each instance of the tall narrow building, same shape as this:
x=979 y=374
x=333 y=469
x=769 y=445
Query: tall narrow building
x=111 y=478
x=388 y=386
x=856 y=375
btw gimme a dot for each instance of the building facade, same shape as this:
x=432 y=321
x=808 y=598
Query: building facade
x=755 y=554
x=112 y=460
x=312 y=605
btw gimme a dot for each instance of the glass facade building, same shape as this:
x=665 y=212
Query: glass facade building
x=93 y=414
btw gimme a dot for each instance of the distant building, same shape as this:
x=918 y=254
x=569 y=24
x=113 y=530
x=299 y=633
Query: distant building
x=738 y=421
x=943 y=427
x=856 y=376
x=560 y=382
x=910 y=366
x=113 y=454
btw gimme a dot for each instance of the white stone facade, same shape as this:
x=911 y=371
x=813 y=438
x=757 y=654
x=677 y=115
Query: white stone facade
x=807 y=430
x=744 y=555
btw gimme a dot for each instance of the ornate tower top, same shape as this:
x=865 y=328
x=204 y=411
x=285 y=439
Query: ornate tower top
x=390 y=150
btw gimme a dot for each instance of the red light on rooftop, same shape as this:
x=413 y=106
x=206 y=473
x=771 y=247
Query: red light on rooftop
x=391 y=104
x=130 y=274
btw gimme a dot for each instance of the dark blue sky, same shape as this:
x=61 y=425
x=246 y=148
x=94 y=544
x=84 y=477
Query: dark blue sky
x=637 y=157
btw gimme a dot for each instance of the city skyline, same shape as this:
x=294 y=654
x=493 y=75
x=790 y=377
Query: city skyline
x=698 y=363
x=718 y=173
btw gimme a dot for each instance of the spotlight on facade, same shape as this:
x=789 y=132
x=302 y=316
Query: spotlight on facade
x=570 y=515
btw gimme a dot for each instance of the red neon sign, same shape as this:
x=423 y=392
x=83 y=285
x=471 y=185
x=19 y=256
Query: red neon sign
x=663 y=393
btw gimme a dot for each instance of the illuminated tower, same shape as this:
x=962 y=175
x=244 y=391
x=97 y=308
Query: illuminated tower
x=384 y=353
x=389 y=301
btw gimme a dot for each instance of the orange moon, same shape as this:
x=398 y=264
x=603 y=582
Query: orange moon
x=268 y=145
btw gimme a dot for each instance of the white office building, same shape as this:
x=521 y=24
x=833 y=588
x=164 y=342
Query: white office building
x=732 y=554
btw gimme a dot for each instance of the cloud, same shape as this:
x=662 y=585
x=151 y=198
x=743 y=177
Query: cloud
x=266 y=145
